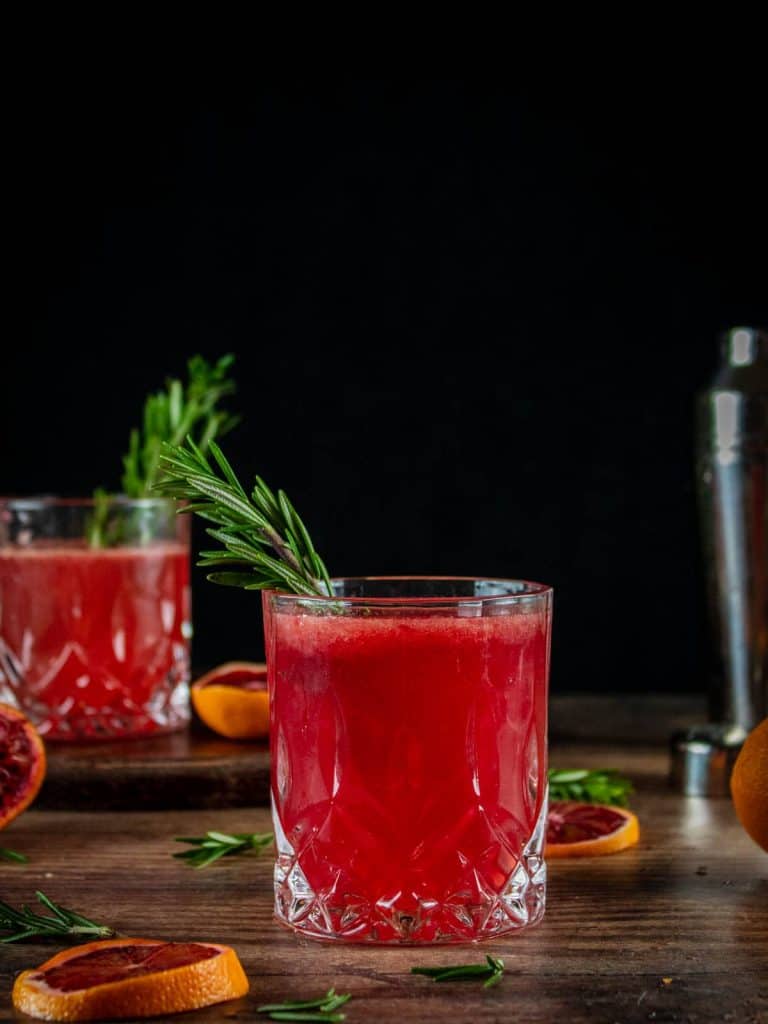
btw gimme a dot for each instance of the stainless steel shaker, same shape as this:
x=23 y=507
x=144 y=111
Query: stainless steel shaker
x=732 y=471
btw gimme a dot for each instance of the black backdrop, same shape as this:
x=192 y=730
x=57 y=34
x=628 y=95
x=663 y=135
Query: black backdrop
x=469 y=324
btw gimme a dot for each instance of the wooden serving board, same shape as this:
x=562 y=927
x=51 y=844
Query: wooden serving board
x=186 y=769
x=198 y=769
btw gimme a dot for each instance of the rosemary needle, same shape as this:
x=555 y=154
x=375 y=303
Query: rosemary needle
x=309 y=1010
x=491 y=971
x=299 y=1015
x=12 y=855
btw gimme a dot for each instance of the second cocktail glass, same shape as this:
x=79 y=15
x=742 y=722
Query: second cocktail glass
x=95 y=615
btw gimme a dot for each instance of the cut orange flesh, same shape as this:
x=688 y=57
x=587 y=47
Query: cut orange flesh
x=589 y=830
x=22 y=763
x=233 y=701
x=121 y=978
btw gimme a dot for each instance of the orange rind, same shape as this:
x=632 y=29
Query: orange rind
x=233 y=701
x=122 y=978
x=589 y=830
x=749 y=785
x=22 y=763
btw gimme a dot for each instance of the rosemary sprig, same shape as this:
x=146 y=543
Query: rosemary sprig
x=492 y=971
x=26 y=924
x=213 y=845
x=325 y=1008
x=12 y=855
x=169 y=416
x=606 y=786
x=173 y=414
x=264 y=543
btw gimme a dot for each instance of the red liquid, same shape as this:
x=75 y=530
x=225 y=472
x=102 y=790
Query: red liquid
x=409 y=772
x=94 y=643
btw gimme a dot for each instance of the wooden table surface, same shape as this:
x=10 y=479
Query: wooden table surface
x=675 y=929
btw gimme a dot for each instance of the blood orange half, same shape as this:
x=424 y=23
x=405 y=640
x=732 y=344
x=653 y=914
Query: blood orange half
x=232 y=700
x=121 y=978
x=589 y=830
x=22 y=763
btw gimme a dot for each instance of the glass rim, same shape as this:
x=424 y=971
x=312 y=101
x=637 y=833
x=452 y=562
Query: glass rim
x=530 y=590
x=29 y=502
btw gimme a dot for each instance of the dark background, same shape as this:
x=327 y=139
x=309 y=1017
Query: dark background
x=470 y=324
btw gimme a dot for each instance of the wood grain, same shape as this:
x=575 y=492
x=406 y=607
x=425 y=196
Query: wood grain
x=689 y=904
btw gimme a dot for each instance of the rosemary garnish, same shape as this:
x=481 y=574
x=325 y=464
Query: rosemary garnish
x=605 y=786
x=214 y=845
x=17 y=858
x=26 y=924
x=325 y=1007
x=491 y=970
x=175 y=413
x=262 y=537
x=171 y=415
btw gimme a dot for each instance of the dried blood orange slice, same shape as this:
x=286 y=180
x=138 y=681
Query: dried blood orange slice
x=22 y=763
x=589 y=830
x=232 y=700
x=121 y=978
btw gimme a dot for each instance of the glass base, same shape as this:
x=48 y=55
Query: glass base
x=471 y=914
x=72 y=719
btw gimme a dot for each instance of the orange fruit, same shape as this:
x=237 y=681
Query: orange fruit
x=589 y=830
x=120 y=978
x=22 y=763
x=749 y=784
x=233 y=701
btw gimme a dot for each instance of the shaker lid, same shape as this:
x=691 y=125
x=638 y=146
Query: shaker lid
x=702 y=758
x=743 y=346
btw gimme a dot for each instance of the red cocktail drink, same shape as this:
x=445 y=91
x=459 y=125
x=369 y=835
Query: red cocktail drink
x=94 y=640
x=409 y=758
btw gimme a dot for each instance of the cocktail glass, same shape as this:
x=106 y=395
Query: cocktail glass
x=409 y=757
x=94 y=637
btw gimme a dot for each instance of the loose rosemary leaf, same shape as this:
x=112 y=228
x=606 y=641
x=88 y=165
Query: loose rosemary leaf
x=62 y=923
x=491 y=971
x=605 y=786
x=214 y=845
x=12 y=855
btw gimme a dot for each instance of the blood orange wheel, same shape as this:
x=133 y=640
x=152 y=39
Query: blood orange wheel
x=232 y=700
x=589 y=830
x=121 y=978
x=22 y=763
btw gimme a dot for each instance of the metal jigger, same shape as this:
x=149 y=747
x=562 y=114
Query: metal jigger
x=732 y=472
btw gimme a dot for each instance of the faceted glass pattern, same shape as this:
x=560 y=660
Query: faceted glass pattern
x=94 y=640
x=409 y=759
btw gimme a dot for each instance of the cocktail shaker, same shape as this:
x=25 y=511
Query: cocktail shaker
x=732 y=471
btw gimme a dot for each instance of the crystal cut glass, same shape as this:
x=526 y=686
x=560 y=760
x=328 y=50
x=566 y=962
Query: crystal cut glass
x=408 y=739
x=95 y=615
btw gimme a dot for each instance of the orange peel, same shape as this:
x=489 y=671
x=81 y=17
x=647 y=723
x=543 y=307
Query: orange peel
x=233 y=700
x=118 y=978
x=589 y=830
